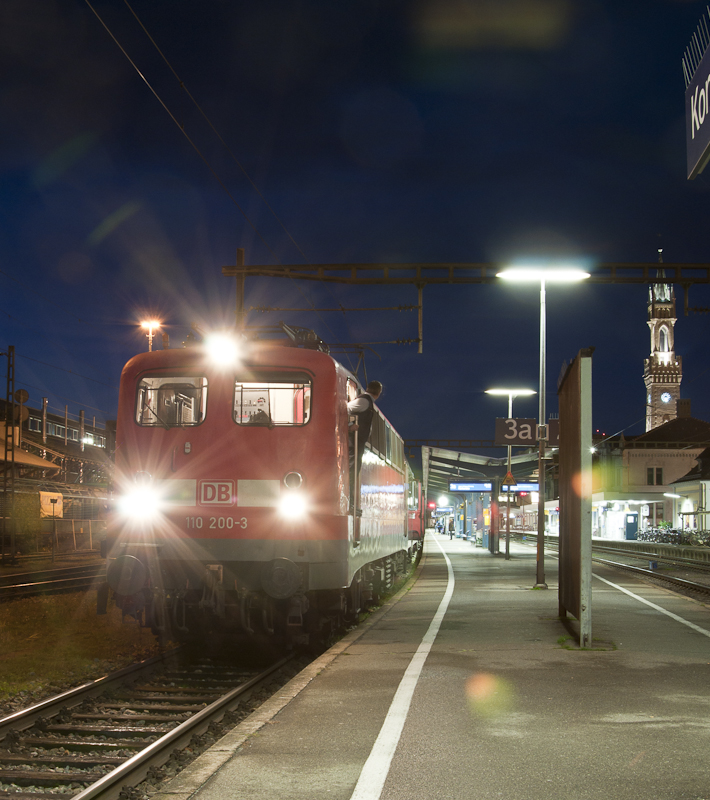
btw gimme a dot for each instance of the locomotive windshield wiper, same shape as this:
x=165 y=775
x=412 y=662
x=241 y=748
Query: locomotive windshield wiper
x=161 y=421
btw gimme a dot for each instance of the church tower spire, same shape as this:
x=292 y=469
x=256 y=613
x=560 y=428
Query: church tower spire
x=663 y=371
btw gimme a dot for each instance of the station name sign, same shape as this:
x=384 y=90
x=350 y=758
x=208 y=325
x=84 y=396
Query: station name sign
x=697 y=118
x=522 y=487
x=487 y=486
x=523 y=432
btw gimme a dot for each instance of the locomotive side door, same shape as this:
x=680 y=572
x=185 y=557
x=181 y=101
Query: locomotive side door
x=353 y=477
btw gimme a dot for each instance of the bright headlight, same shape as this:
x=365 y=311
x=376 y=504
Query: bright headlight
x=292 y=505
x=222 y=349
x=142 y=504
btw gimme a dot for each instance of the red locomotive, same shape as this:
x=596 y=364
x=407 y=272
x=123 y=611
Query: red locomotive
x=233 y=506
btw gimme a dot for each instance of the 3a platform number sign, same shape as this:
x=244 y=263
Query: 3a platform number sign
x=523 y=432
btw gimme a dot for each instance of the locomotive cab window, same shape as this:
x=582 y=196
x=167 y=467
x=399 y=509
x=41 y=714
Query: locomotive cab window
x=275 y=400
x=171 y=401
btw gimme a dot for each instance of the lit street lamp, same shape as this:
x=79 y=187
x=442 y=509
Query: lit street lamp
x=543 y=276
x=150 y=326
x=510 y=393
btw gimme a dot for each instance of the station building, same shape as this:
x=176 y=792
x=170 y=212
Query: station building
x=689 y=496
x=632 y=476
x=55 y=477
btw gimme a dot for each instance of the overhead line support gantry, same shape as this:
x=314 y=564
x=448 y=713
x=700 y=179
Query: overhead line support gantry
x=420 y=274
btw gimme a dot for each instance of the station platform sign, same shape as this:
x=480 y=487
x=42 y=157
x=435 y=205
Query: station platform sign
x=487 y=486
x=521 y=487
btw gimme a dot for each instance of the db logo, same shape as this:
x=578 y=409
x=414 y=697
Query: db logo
x=217 y=493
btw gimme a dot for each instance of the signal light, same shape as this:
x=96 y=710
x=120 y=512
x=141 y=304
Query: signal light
x=431 y=504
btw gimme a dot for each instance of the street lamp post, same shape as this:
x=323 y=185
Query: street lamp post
x=150 y=326
x=510 y=393
x=543 y=276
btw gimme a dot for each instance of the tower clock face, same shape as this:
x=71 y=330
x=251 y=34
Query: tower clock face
x=665 y=397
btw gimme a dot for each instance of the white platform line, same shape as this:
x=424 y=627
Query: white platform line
x=658 y=608
x=374 y=772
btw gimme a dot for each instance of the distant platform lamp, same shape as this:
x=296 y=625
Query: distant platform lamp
x=510 y=394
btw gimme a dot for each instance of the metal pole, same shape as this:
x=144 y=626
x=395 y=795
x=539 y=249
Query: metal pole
x=507 y=519
x=53 y=501
x=241 y=316
x=540 y=577
x=15 y=413
x=8 y=430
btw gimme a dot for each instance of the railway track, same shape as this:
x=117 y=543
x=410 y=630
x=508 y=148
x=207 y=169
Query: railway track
x=109 y=734
x=51 y=581
x=699 y=588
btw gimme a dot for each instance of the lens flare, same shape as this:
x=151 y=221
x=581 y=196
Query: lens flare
x=489 y=696
x=293 y=505
x=222 y=349
x=142 y=504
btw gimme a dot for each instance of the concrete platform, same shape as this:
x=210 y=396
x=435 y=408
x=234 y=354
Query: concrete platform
x=503 y=702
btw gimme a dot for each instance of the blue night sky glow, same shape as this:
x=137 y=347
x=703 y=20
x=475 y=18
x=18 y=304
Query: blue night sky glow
x=428 y=131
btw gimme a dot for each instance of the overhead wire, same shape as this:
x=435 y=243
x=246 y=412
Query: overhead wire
x=29 y=289
x=63 y=397
x=229 y=151
x=216 y=132
x=55 y=344
x=69 y=371
x=180 y=127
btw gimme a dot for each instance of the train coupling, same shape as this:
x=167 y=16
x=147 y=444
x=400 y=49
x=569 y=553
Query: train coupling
x=297 y=607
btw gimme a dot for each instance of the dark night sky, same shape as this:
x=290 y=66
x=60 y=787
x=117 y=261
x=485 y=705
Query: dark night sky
x=440 y=130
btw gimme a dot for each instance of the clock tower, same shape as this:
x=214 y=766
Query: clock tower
x=663 y=371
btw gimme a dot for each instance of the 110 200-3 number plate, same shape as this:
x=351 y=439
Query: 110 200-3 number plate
x=215 y=523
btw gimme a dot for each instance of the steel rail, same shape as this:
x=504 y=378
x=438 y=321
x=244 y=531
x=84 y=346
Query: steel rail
x=26 y=717
x=692 y=586
x=651 y=556
x=30 y=584
x=23 y=578
x=658 y=576
x=136 y=768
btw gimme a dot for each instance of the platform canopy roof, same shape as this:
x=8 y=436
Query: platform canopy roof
x=443 y=466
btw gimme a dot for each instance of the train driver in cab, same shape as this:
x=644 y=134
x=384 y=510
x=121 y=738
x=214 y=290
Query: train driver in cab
x=261 y=415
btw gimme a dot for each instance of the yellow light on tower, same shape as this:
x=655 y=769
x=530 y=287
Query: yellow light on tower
x=150 y=326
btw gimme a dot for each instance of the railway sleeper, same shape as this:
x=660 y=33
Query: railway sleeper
x=180 y=698
x=178 y=709
x=33 y=795
x=169 y=690
x=23 y=777
x=87 y=745
x=126 y=717
x=113 y=732
x=63 y=761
